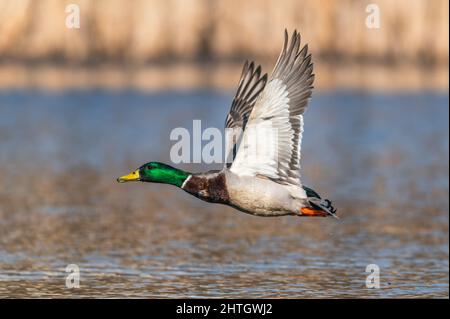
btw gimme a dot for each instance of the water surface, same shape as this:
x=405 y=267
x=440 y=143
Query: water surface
x=382 y=158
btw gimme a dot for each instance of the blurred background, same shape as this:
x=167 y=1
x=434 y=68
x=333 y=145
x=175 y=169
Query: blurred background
x=81 y=106
x=196 y=43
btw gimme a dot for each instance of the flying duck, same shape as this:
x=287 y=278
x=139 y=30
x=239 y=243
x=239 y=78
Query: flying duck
x=263 y=179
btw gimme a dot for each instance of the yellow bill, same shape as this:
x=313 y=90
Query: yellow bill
x=133 y=176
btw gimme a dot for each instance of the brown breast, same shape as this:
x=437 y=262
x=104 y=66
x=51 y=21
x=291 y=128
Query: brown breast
x=210 y=187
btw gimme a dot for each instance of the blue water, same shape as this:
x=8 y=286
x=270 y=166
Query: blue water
x=383 y=158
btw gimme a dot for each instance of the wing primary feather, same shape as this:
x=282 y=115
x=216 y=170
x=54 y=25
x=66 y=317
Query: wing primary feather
x=250 y=86
x=252 y=94
x=279 y=104
x=244 y=72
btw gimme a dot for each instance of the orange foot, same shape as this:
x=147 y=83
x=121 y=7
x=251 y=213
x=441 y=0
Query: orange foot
x=310 y=212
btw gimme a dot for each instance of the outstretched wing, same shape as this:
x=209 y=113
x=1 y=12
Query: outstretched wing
x=251 y=84
x=271 y=141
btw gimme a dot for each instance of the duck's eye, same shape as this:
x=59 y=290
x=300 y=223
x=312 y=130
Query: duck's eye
x=149 y=167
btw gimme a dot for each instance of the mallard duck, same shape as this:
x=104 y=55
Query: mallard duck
x=269 y=184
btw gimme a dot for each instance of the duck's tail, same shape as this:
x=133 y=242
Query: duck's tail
x=317 y=203
x=325 y=205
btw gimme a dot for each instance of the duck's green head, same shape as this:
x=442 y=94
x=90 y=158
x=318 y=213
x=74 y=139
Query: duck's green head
x=155 y=172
